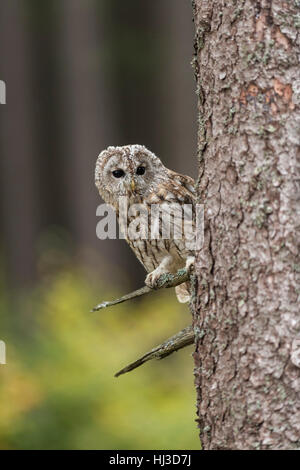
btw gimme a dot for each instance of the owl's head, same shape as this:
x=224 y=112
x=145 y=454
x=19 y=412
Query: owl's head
x=131 y=170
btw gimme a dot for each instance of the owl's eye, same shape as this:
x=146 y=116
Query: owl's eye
x=118 y=173
x=140 y=170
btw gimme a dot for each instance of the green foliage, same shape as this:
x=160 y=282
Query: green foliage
x=57 y=389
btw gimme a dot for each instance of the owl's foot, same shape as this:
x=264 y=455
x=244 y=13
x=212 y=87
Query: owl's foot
x=153 y=277
x=166 y=266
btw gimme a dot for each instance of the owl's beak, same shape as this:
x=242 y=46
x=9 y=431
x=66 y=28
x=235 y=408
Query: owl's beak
x=132 y=185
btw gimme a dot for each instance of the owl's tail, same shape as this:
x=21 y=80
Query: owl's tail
x=183 y=292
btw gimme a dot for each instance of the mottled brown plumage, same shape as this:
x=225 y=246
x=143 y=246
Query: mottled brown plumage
x=136 y=173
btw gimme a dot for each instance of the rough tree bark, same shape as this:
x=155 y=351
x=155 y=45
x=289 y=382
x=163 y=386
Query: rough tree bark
x=246 y=316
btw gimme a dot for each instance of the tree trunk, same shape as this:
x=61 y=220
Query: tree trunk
x=246 y=317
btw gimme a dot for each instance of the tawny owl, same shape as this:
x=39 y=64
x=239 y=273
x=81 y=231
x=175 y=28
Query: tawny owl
x=134 y=173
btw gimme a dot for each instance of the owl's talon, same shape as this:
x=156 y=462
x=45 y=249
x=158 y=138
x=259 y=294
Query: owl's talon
x=152 y=279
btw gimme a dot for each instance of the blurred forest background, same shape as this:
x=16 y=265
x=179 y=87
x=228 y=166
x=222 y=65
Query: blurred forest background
x=82 y=75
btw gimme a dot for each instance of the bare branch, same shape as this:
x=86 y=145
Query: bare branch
x=182 y=339
x=165 y=281
x=144 y=290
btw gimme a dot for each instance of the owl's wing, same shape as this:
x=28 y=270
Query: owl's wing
x=183 y=186
x=179 y=189
x=183 y=190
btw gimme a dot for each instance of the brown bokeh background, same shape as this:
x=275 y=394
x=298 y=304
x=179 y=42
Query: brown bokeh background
x=82 y=75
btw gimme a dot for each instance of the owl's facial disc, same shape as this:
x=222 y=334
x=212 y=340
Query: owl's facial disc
x=129 y=170
x=120 y=174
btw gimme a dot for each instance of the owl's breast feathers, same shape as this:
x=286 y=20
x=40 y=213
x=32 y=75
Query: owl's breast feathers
x=151 y=250
x=176 y=188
